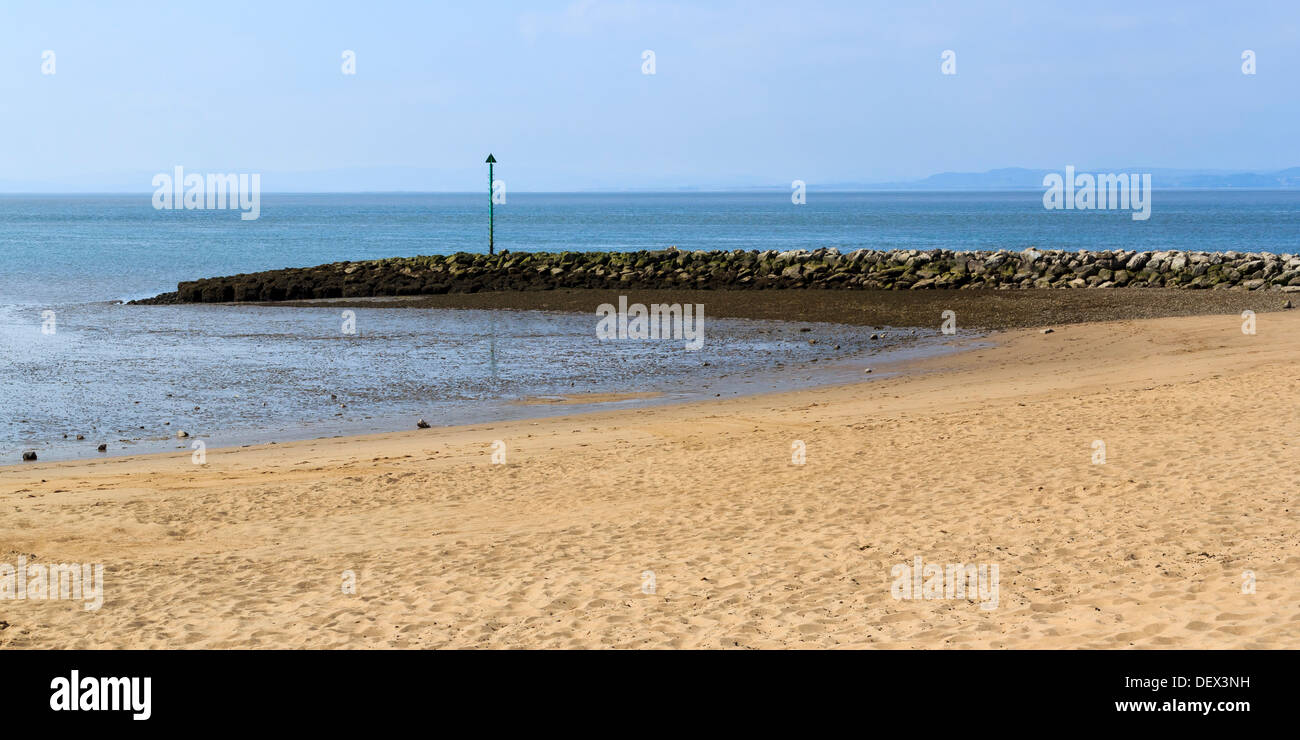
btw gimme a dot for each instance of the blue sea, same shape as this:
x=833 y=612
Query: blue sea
x=74 y=360
x=56 y=249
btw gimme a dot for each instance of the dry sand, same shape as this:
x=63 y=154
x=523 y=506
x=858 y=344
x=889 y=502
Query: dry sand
x=982 y=457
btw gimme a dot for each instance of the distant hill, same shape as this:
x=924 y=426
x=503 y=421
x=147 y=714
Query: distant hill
x=1020 y=178
x=469 y=179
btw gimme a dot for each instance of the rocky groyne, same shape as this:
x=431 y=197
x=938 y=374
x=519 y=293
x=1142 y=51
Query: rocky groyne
x=830 y=269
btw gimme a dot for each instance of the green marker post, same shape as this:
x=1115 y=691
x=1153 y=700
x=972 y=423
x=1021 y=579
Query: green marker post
x=491 y=160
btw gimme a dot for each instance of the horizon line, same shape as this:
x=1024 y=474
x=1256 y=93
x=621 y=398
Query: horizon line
x=645 y=191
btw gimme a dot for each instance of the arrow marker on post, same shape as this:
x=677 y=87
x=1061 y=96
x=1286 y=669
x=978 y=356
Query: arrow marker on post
x=491 y=160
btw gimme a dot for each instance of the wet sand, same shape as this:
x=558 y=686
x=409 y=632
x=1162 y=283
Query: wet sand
x=985 y=457
x=131 y=377
x=975 y=309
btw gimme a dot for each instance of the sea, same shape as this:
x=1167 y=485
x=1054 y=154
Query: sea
x=76 y=360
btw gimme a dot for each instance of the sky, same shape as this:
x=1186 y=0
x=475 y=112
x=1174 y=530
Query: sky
x=745 y=93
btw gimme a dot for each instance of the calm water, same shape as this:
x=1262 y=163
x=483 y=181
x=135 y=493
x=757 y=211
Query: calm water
x=57 y=249
x=131 y=376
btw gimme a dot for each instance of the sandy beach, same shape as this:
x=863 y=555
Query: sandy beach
x=690 y=526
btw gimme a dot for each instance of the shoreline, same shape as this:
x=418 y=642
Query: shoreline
x=811 y=373
x=973 y=311
x=984 y=456
x=833 y=313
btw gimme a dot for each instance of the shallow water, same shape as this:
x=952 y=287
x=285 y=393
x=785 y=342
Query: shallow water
x=132 y=376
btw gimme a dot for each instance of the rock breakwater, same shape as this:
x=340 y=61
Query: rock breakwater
x=828 y=268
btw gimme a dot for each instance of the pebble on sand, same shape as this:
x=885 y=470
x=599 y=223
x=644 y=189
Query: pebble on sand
x=1048 y=331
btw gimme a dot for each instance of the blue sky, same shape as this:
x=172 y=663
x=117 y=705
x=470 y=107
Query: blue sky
x=745 y=93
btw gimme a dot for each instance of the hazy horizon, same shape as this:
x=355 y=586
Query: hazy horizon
x=995 y=180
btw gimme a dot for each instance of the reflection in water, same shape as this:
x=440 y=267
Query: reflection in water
x=492 y=344
x=133 y=376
